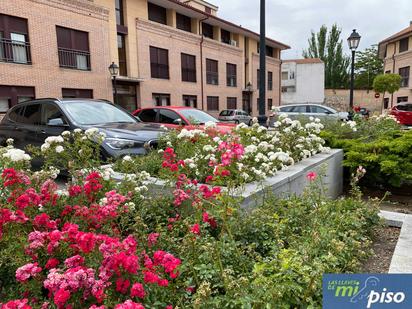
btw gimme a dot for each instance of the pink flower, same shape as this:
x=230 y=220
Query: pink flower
x=74 y=261
x=311 y=176
x=137 y=290
x=61 y=297
x=16 y=304
x=150 y=277
x=52 y=263
x=122 y=285
x=195 y=229
x=152 y=239
x=128 y=304
x=26 y=271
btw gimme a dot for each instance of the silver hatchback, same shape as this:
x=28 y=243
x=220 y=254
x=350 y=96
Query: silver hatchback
x=297 y=111
x=236 y=116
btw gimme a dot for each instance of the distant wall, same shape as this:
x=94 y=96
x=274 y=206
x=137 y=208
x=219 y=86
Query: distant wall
x=339 y=99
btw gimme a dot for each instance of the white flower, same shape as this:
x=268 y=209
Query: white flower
x=44 y=147
x=77 y=131
x=127 y=158
x=66 y=133
x=91 y=131
x=59 y=149
x=250 y=149
x=210 y=125
x=16 y=155
x=54 y=139
x=10 y=141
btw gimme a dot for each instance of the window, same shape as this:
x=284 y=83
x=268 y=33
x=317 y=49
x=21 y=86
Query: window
x=225 y=36
x=157 y=13
x=319 y=110
x=159 y=62
x=12 y=95
x=73 y=48
x=77 y=93
x=404 y=107
x=402 y=99
x=269 y=50
x=404 y=73
x=270 y=104
x=212 y=74
x=190 y=101
x=16 y=114
x=168 y=116
x=286 y=109
x=385 y=103
x=270 y=81
x=183 y=22
x=121 y=51
x=212 y=103
x=148 y=115
x=231 y=75
x=188 y=68
x=119 y=12
x=32 y=114
x=14 y=40
x=300 y=109
x=207 y=30
x=285 y=75
x=161 y=99
x=231 y=103
x=258 y=79
x=51 y=111
x=403 y=45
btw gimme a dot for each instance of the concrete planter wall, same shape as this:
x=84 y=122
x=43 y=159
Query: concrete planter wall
x=283 y=184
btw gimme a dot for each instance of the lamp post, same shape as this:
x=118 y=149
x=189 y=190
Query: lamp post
x=114 y=71
x=353 y=42
x=262 y=65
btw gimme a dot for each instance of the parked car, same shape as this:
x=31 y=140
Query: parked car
x=33 y=121
x=177 y=116
x=403 y=113
x=236 y=116
x=297 y=111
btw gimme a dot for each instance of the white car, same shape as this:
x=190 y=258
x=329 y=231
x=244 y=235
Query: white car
x=298 y=111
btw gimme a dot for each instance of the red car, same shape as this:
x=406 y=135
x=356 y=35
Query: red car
x=403 y=112
x=177 y=116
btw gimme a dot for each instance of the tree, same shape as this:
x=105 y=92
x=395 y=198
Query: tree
x=386 y=83
x=328 y=47
x=367 y=67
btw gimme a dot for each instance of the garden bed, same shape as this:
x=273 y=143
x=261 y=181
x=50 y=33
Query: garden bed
x=285 y=183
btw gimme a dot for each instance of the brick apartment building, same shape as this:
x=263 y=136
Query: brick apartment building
x=396 y=52
x=169 y=53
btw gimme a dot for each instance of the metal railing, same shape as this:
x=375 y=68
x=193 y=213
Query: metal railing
x=15 y=51
x=74 y=59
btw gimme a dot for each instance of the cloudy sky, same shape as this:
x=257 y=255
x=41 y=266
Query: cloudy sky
x=291 y=21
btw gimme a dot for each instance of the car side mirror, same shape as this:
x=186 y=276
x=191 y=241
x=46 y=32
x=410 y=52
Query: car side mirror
x=178 y=121
x=56 y=122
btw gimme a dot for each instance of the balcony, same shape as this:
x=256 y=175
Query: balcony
x=74 y=59
x=14 y=51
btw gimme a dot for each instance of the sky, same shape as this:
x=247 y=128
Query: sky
x=291 y=21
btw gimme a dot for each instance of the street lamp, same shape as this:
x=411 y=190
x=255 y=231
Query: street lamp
x=262 y=65
x=353 y=42
x=114 y=71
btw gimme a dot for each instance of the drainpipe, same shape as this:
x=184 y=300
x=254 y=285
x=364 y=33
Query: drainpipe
x=393 y=69
x=280 y=80
x=201 y=61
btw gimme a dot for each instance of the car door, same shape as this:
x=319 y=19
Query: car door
x=53 y=121
x=148 y=115
x=299 y=112
x=29 y=125
x=319 y=112
x=10 y=127
x=170 y=118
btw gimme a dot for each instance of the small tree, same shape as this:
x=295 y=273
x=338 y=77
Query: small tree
x=386 y=83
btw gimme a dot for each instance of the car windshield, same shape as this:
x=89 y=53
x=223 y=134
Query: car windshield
x=196 y=116
x=405 y=107
x=226 y=113
x=92 y=113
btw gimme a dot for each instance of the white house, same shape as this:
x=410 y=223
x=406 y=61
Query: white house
x=303 y=81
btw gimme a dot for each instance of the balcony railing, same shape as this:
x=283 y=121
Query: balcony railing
x=74 y=59
x=14 y=51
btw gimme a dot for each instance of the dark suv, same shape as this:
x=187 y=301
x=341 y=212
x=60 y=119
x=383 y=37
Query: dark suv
x=32 y=122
